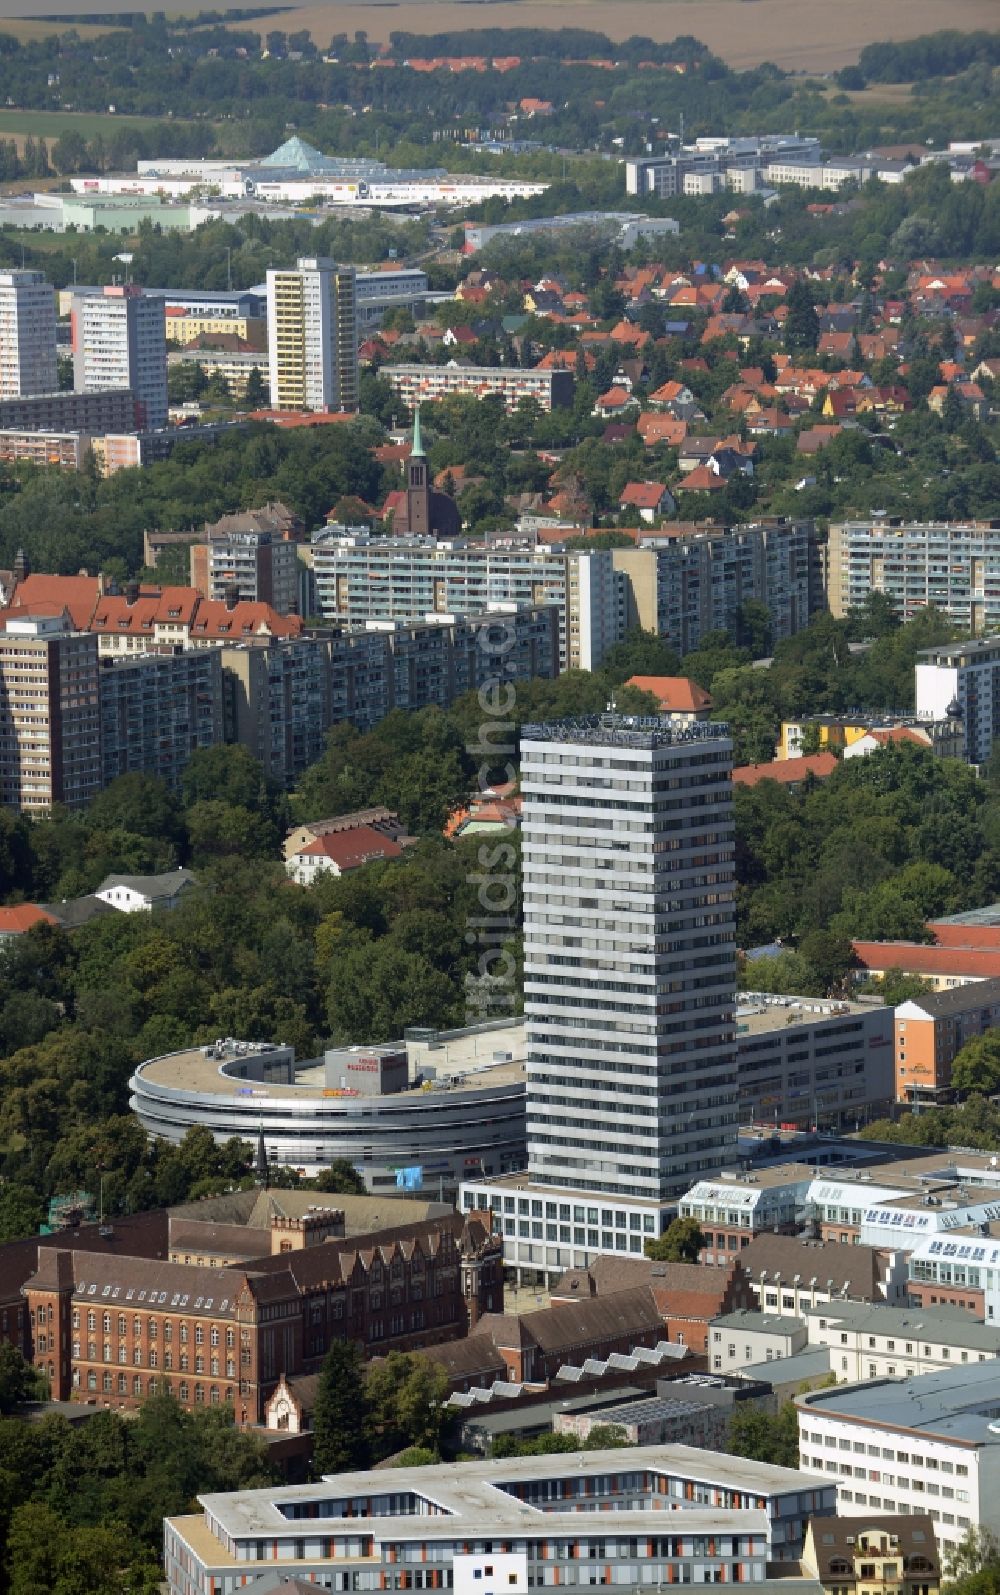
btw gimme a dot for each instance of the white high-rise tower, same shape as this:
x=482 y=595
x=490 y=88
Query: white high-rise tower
x=629 y=923
x=27 y=335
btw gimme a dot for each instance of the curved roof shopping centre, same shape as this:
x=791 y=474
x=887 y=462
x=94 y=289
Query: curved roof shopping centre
x=424 y=1112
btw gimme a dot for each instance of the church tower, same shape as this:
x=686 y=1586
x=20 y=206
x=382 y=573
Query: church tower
x=418 y=496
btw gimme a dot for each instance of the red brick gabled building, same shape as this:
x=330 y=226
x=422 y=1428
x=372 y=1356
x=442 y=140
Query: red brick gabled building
x=687 y=1296
x=113 y=1330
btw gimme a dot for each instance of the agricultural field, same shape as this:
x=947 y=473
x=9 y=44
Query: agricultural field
x=48 y=125
x=805 y=35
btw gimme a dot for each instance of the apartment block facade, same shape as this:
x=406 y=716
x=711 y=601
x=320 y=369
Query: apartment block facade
x=258 y=566
x=401 y=665
x=932 y=1029
x=685 y=584
x=110 y=410
x=424 y=384
x=361 y=577
x=157 y=710
x=27 y=335
x=277 y=702
x=50 y=748
x=119 y=341
x=954 y=565
x=628 y=881
x=312 y=336
x=963 y=678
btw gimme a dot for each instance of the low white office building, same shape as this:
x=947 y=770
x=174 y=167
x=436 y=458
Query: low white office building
x=927 y=1444
x=740 y=1339
x=896 y=1342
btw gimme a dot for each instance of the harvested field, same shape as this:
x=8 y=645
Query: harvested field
x=801 y=35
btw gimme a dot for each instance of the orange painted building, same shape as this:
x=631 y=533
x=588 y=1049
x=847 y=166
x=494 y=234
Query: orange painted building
x=930 y=1030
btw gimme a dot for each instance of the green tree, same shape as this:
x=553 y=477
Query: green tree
x=765 y=1437
x=341 y=1413
x=341 y=1177
x=681 y=1242
x=606 y=1437
x=976 y=1066
x=45 y=1553
x=895 y=987
x=802 y=322
x=19 y=1381
x=640 y=653
x=255 y=393
x=406 y=1396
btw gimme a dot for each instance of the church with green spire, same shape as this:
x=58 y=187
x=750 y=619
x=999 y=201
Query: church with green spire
x=422 y=511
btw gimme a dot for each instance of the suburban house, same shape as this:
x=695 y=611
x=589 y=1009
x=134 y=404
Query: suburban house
x=676 y=695
x=140 y=894
x=648 y=499
x=339 y=852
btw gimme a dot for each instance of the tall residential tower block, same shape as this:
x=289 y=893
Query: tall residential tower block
x=629 y=974
x=119 y=341
x=27 y=335
x=312 y=337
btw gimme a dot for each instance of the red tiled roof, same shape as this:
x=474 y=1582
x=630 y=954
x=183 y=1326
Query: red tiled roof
x=216 y=620
x=14 y=921
x=971 y=936
x=702 y=480
x=920 y=960
x=655 y=428
x=787 y=771
x=615 y=398
x=898 y=734
x=642 y=495
x=114 y=613
x=76 y=594
x=351 y=849
x=677 y=694
x=291 y=418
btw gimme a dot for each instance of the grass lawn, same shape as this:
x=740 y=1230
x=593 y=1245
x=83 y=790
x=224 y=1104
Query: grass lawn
x=49 y=124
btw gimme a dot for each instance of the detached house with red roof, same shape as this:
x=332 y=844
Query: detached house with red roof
x=339 y=852
x=14 y=922
x=679 y=696
x=649 y=499
x=617 y=401
x=676 y=399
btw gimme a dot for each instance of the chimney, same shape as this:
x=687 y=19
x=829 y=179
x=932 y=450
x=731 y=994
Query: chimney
x=231 y=594
x=21 y=566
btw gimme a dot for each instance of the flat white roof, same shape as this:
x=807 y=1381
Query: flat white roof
x=472 y=1494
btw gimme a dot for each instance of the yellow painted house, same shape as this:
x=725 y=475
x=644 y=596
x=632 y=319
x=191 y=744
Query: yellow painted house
x=832 y=733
